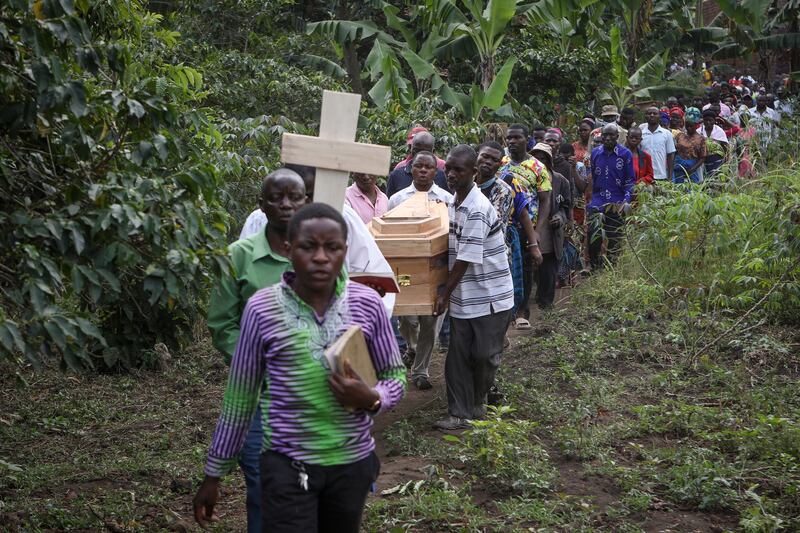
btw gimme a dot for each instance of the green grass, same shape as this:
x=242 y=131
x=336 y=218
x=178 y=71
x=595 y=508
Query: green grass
x=612 y=428
x=640 y=437
x=124 y=450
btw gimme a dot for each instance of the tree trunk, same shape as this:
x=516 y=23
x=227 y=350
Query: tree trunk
x=794 y=54
x=764 y=69
x=353 y=67
x=487 y=73
x=351 y=63
x=698 y=23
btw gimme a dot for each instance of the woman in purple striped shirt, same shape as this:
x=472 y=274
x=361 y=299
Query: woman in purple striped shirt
x=318 y=460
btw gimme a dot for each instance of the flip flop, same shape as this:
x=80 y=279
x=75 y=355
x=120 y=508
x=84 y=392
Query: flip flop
x=522 y=323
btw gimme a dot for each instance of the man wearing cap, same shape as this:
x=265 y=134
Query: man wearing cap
x=551 y=234
x=400 y=177
x=413 y=131
x=608 y=115
x=659 y=143
x=623 y=121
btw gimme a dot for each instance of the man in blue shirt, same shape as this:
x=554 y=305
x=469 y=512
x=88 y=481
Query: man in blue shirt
x=400 y=178
x=612 y=188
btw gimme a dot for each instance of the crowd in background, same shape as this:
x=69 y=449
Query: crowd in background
x=526 y=215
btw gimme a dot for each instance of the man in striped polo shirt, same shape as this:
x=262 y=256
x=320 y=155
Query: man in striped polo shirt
x=318 y=461
x=479 y=292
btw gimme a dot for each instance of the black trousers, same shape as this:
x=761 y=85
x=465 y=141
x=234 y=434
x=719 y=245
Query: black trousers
x=333 y=502
x=546 y=286
x=473 y=357
x=607 y=224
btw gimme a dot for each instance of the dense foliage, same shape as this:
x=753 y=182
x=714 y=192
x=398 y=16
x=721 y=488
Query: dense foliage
x=133 y=143
x=111 y=218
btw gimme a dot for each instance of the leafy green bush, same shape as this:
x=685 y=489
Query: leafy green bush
x=702 y=478
x=111 y=221
x=248 y=84
x=389 y=126
x=726 y=246
x=246 y=150
x=504 y=453
x=543 y=76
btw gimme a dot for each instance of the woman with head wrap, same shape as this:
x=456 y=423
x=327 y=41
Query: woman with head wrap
x=676 y=120
x=690 y=150
x=664 y=119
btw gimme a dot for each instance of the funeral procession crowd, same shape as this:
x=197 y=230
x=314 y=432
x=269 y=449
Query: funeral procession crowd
x=527 y=215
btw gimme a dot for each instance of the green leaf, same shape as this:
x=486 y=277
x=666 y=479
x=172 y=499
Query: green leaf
x=496 y=92
x=37 y=298
x=782 y=41
x=56 y=334
x=77 y=98
x=90 y=274
x=10 y=337
x=496 y=16
x=458 y=100
x=67 y=6
x=652 y=71
x=505 y=111
x=348 y=30
x=90 y=329
x=78 y=240
x=135 y=108
x=155 y=287
x=110 y=278
x=111 y=357
x=619 y=75
x=323 y=64
x=422 y=69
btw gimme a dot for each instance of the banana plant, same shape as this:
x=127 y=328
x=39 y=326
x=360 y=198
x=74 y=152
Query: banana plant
x=754 y=30
x=574 y=23
x=473 y=105
x=645 y=83
x=482 y=33
x=447 y=31
x=384 y=65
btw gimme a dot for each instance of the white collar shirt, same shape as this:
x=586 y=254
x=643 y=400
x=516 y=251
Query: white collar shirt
x=659 y=144
x=476 y=237
x=434 y=193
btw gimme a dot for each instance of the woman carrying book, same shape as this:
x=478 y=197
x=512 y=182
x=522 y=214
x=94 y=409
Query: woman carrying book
x=318 y=459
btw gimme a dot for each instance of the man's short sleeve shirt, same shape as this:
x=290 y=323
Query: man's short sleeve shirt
x=476 y=237
x=659 y=144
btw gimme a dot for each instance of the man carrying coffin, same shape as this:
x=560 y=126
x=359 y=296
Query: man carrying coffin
x=479 y=292
x=363 y=254
x=420 y=332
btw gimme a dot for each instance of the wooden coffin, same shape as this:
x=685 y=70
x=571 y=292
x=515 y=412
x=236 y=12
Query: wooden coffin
x=413 y=238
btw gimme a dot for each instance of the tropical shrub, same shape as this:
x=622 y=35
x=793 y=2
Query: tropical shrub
x=728 y=245
x=111 y=220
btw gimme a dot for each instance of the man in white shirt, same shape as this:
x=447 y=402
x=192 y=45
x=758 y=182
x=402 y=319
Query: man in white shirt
x=764 y=119
x=363 y=254
x=659 y=143
x=422 y=175
x=479 y=292
x=420 y=331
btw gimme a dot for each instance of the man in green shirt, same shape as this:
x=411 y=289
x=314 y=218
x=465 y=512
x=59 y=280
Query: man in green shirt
x=258 y=261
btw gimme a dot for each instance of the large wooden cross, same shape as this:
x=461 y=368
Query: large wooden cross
x=335 y=153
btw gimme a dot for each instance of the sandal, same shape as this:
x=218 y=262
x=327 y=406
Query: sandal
x=521 y=323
